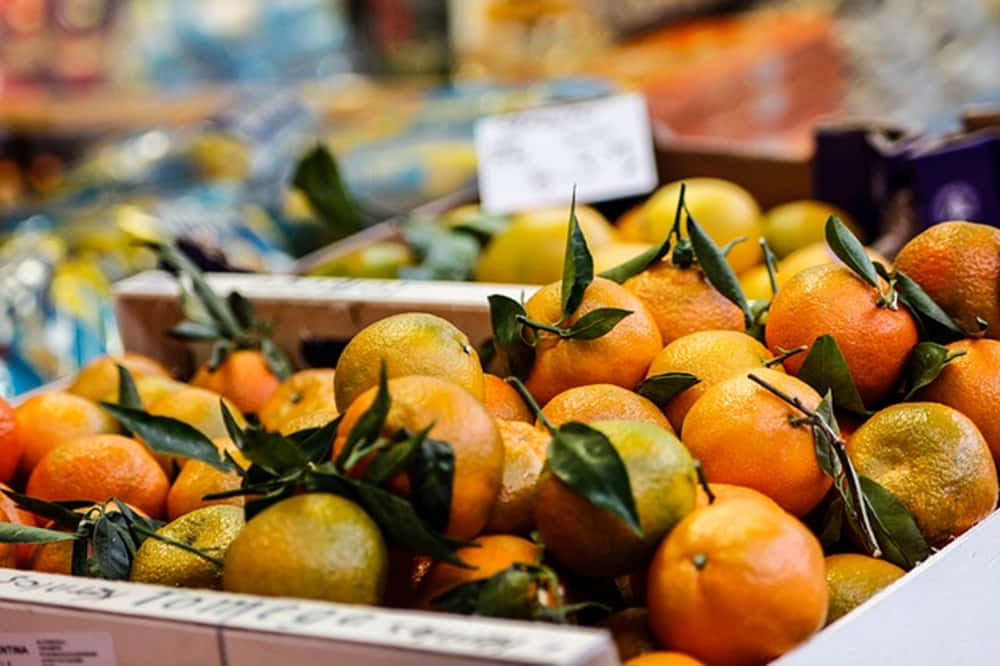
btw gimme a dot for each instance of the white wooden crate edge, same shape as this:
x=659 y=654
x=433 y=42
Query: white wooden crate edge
x=416 y=637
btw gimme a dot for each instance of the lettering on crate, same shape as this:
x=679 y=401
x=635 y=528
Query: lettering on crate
x=37 y=586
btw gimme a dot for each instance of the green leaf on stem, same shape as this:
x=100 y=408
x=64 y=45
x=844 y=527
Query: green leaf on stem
x=220 y=352
x=515 y=354
x=638 y=263
x=168 y=435
x=17 y=533
x=318 y=177
x=368 y=427
x=666 y=386
x=128 y=394
x=273 y=452
x=849 y=250
x=79 y=562
x=276 y=360
x=317 y=443
x=825 y=369
x=716 y=269
x=923 y=306
x=585 y=460
x=110 y=551
x=61 y=513
x=926 y=361
x=771 y=264
x=832 y=527
x=897 y=532
x=219 y=311
x=394 y=460
x=578 y=265
x=596 y=323
x=403 y=526
x=242 y=309
x=432 y=472
x=826 y=453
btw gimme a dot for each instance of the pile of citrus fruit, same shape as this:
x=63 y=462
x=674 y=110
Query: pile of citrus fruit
x=713 y=478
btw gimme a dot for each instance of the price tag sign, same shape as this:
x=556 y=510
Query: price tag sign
x=535 y=158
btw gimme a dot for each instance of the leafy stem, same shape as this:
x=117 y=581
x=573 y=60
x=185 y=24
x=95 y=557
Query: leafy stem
x=531 y=402
x=179 y=544
x=785 y=353
x=814 y=419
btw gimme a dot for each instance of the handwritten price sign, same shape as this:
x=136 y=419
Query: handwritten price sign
x=534 y=158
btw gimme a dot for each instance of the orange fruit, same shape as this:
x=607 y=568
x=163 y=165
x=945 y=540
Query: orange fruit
x=630 y=224
x=411 y=343
x=724 y=492
x=853 y=579
x=682 y=301
x=199 y=408
x=197 y=479
x=737 y=582
x=503 y=402
x=312 y=546
x=592 y=541
x=524 y=450
x=11 y=445
x=46 y=420
x=875 y=340
x=561 y=363
x=457 y=418
x=797 y=224
x=100 y=467
x=100 y=377
x=958 y=265
x=244 y=377
x=631 y=633
x=757 y=285
x=150 y=388
x=934 y=460
x=304 y=392
x=711 y=356
x=490 y=555
x=308 y=421
x=742 y=435
x=10 y=513
x=602 y=402
x=971 y=384
x=664 y=658
x=724 y=210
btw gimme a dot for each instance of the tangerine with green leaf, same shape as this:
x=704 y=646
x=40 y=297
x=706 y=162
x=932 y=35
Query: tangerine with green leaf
x=737 y=582
x=592 y=541
x=198 y=479
x=724 y=209
x=411 y=343
x=757 y=285
x=532 y=248
x=99 y=467
x=971 y=384
x=199 y=408
x=209 y=530
x=455 y=417
x=934 y=460
x=874 y=337
x=958 y=264
x=682 y=301
x=712 y=356
x=562 y=363
x=853 y=579
x=311 y=546
x=797 y=224
x=746 y=436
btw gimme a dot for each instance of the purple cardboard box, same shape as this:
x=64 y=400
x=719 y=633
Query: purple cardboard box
x=959 y=180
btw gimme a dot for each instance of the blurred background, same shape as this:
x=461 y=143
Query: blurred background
x=187 y=118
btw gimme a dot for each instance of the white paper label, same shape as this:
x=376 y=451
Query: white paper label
x=57 y=649
x=535 y=157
